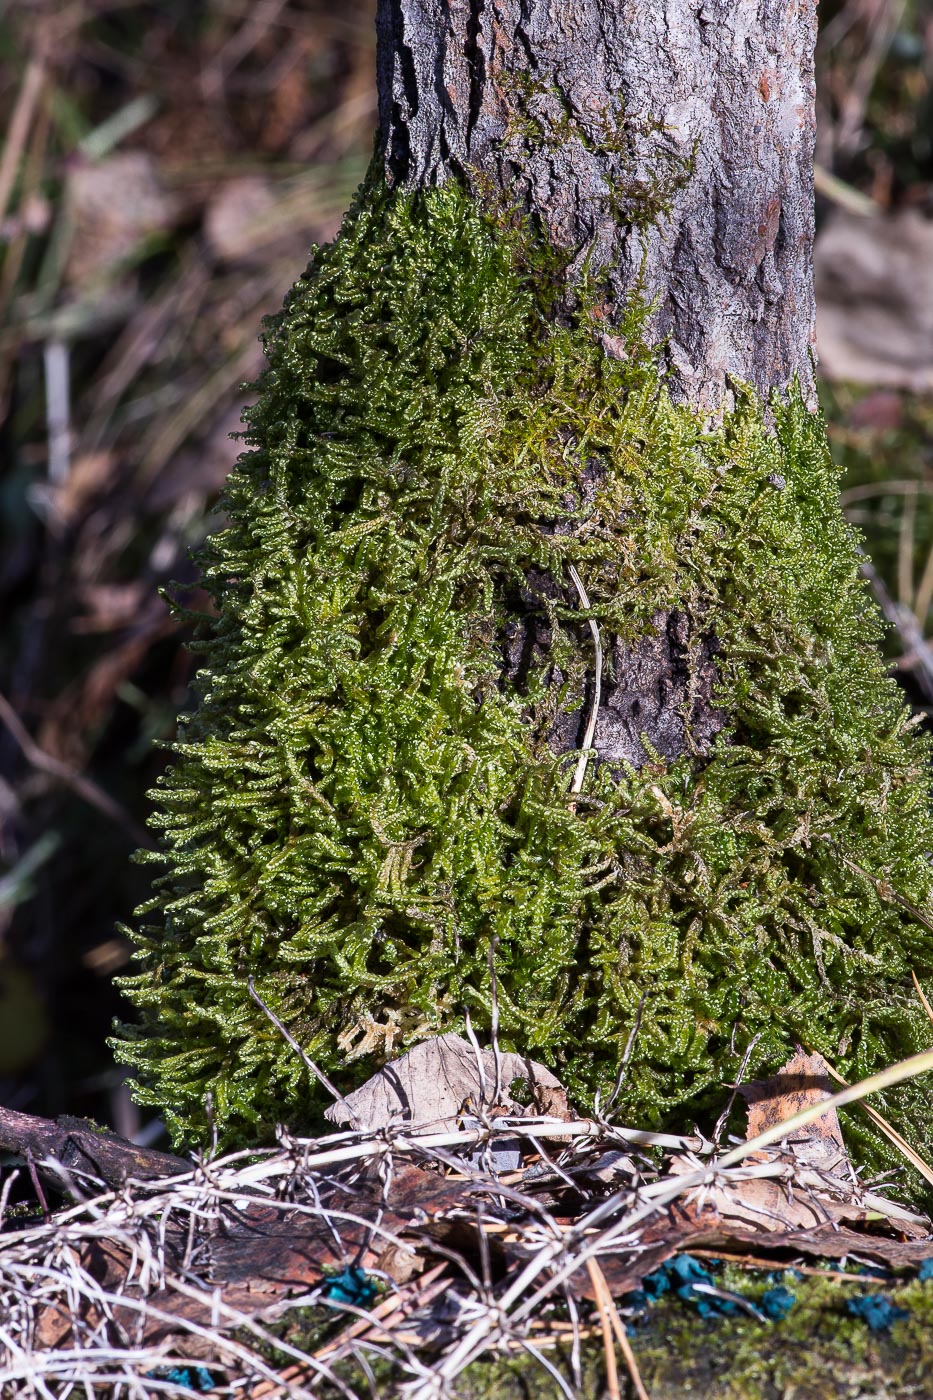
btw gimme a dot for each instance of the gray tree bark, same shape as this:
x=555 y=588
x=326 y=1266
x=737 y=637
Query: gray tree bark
x=673 y=137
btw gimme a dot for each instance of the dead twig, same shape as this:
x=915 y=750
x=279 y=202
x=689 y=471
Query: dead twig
x=625 y=1345
x=17 y=135
x=603 y=1305
x=882 y=27
x=134 y=1261
x=305 y=1058
x=587 y=745
x=920 y=993
x=83 y=787
x=73 y=1144
x=917 y=651
x=891 y=1133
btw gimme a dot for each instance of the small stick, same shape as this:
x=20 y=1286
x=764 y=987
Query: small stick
x=612 y=1370
x=723 y=1117
x=37 y=1186
x=601 y=1288
x=577 y=784
x=18 y=130
x=910 y=1068
x=891 y=1133
x=542 y=1361
x=5 y=1193
x=415 y=1292
x=84 y=787
x=725 y=1296
x=494 y=1022
x=910 y=632
x=626 y=1055
x=428 y=1143
x=307 y=1060
x=480 y=1067
x=751 y=1261
x=56 y=364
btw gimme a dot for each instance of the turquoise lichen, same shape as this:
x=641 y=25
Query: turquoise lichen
x=362 y=810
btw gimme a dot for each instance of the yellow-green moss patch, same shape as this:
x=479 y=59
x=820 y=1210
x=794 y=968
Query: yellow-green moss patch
x=362 y=804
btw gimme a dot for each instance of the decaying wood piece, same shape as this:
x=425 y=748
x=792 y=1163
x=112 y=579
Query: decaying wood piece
x=671 y=141
x=254 y=1256
x=66 y=1145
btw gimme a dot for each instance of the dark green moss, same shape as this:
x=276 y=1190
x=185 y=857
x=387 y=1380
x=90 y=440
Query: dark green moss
x=360 y=807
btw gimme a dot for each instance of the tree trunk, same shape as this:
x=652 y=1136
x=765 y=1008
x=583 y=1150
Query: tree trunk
x=665 y=146
x=665 y=150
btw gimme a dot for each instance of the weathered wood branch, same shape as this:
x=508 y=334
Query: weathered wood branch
x=79 y=1146
x=664 y=146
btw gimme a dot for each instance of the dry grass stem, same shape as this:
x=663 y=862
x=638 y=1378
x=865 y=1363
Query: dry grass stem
x=612 y=1323
x=891 y=1133
x=923 y=1000
x=885 y=1079
x=18 y=130
x=602 y=1306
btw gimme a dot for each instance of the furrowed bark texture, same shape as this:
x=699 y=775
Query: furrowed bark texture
x=670 y=135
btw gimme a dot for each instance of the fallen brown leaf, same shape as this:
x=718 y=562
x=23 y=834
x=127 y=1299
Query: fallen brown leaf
x=434 y=1081
x=776 y=1205
x=804 y=1080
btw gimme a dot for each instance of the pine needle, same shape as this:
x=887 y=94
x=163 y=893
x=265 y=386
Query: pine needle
x=602 y=1304
x=923 y=1001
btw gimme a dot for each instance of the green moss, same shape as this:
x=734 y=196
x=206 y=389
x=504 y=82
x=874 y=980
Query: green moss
x=361 y=807
x=819 y=1352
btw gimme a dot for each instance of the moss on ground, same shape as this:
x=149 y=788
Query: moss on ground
x=818 y=1352
x=365 y=808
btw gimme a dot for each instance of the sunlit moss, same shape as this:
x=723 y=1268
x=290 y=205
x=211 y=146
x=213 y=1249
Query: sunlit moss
x=818 y=1352
x=361 y=806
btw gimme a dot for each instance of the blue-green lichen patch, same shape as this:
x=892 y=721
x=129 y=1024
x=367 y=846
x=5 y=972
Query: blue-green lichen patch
x=363 y=805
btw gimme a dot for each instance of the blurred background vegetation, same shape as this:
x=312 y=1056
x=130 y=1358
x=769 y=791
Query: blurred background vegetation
x=164 y=167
